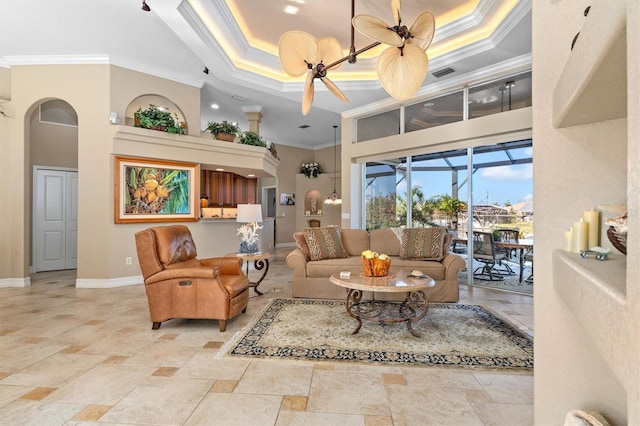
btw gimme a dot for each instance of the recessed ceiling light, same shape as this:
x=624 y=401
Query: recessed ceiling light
x=251 y=175
x=429 y=104
x=290 y=10
x=219 y=170
x=215 y=106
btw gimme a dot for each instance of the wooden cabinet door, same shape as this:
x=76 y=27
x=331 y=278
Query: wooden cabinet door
x=240 y=189
x=225 y=188
x=228 y=189
x=252 y=191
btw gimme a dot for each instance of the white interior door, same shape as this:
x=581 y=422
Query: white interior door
x=55 y=220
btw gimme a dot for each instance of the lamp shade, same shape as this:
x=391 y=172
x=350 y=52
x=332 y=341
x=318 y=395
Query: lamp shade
x=249 y=213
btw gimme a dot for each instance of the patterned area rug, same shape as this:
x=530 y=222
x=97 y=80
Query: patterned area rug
x=452 y=335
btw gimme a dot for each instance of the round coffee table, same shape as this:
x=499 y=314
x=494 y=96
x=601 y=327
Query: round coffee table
x=413 y=308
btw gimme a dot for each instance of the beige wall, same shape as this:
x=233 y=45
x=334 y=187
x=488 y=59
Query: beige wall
x=290 y=160
x=127 y=85
x=86 y=89
x=93 y=91
x=6 y=207
x=5 y=83
x=586 y=341
x=52 y=144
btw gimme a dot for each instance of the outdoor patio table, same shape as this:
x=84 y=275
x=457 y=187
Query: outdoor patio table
x=521 y=245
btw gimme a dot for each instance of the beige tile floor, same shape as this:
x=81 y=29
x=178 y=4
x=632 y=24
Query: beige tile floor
x=83 y=356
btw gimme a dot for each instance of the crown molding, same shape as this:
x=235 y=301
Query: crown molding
x=100 y=60
x=57 y=59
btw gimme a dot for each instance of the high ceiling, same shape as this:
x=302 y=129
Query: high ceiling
x=236 y=40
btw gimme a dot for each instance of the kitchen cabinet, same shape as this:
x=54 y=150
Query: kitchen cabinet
x=227 y=189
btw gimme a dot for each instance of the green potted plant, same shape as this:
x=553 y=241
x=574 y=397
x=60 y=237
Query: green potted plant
x=224 y=131
x=157 y=118
x=252 y=138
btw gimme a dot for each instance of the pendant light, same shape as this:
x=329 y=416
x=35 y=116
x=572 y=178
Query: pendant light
x=334 y=197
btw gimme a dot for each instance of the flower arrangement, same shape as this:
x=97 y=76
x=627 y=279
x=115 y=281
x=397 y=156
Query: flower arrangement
x=375 y=265
x=310 y=170
x=249 y=237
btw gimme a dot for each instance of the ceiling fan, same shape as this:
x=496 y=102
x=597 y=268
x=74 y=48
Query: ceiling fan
x=401 y=68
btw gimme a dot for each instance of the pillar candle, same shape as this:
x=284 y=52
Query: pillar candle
x=580 y=236
x=592 y=217
x=568 y=239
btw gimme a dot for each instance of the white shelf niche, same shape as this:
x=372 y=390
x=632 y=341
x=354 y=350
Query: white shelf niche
x=595 y=293
x=593 y=83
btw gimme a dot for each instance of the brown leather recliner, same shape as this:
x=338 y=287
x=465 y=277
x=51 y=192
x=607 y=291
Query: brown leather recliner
x=179 y=285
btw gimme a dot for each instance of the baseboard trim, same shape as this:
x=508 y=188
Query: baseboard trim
x=15 y=282
x=108 y=283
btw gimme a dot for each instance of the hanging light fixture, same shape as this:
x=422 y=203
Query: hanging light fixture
x=145 y=6
x=334 y=197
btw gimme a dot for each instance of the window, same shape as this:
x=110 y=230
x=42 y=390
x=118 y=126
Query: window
x=433 y=112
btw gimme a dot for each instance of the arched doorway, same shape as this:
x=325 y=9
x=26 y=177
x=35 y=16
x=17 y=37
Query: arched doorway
x=52 y=143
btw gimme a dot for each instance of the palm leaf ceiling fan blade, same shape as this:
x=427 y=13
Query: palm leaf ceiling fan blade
x=423 y=29
x=395 y=9
x=402 y=71
x=377 y=30
x=296 y=50
x=334 y=89
x=307 y=97
x=329 y=51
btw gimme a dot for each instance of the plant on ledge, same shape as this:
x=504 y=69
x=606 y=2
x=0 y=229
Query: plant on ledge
x=252 y=138
x=310 y=170
x=224 y=130
x=158 y=118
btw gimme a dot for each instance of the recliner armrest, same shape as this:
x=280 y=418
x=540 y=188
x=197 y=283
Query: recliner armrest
x=227 y=265
x=206 y=272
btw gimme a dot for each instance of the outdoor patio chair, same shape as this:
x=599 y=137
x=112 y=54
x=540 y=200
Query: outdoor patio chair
x=509 y=235
x=528 y=257
x=484 y=251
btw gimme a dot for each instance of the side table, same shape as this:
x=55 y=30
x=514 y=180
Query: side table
x=260 y=263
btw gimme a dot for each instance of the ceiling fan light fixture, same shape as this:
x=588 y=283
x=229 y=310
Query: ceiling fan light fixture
x=401 y=68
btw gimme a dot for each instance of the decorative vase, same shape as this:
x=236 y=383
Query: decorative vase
x=227 y=137
x=375 y=267
x=246 y=247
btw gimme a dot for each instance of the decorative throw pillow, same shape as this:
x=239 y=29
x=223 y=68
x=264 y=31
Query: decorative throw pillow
x=446 y=245
x=423 y=243
x=325 y=243
x=302 y=244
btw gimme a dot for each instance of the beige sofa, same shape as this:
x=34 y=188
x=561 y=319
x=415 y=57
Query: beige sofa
x=311 y=278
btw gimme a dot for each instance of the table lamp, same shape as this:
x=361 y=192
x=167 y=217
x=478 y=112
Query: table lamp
x=251 y=215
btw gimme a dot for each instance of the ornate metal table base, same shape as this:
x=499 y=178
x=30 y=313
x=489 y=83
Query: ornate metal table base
x=412 y=309
x=259 y=265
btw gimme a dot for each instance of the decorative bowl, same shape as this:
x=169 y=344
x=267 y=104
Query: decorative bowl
x=618 y=239
x=375 y=267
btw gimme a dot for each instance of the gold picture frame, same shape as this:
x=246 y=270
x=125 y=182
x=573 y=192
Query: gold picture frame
x=151 y=190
